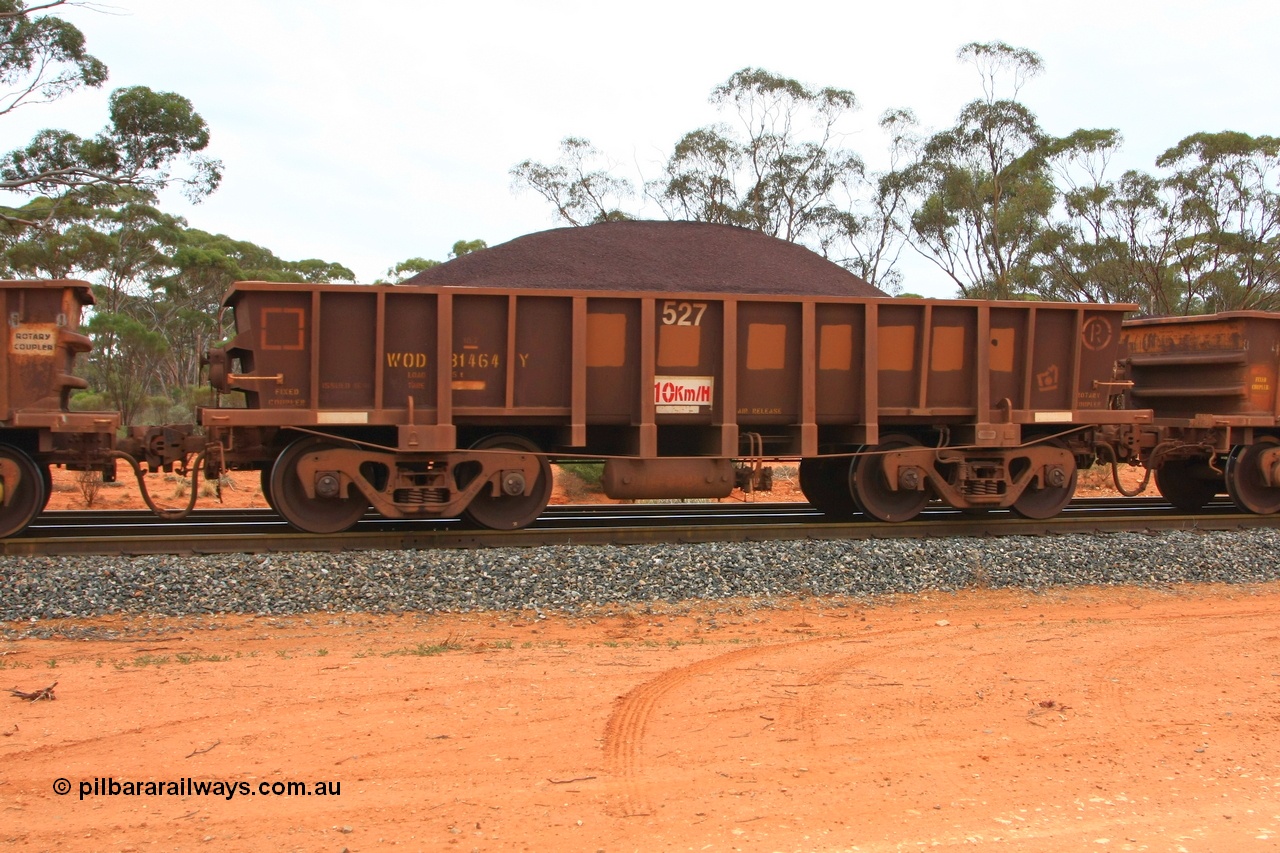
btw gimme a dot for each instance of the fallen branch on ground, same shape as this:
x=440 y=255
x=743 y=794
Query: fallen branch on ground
x=36 y=695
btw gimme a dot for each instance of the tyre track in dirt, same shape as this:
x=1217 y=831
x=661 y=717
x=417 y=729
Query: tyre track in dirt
x=630 y=728
x=629 y=724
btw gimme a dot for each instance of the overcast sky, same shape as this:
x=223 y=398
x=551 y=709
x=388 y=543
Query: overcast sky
x=371 y=132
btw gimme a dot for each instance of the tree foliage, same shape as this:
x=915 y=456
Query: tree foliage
x=776 y=171
x=1003 y=208
x=201 y=270
x=42 y=58
x=466 y=247
x=860 y=230
x=1202 y=236
x=158 y=291
x=775 y=165
x=409 y=268
x=578 y=185
x=149 y=134
x=1224 y=214
x=980 y=190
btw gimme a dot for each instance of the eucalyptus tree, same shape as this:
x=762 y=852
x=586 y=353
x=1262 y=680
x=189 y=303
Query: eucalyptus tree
x=775 y=165
x=1225 y=210
x=202 y=268
x=980 y=191
x=1204 y=235
x=128 y=345
x=152 y=140
x=579 y=185
x=466 y=247
x=1111 y=240
x=776 y=170
x=42 y=58
x=1084 y=254
x=860 y=230
x=406 y=269
x=85 y=205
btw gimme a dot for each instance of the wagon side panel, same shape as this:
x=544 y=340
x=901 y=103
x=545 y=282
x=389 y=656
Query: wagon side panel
x=346 y=352
x=1218 y=367
x=407 y=359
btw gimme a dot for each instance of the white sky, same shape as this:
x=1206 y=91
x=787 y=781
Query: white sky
x=370 y=132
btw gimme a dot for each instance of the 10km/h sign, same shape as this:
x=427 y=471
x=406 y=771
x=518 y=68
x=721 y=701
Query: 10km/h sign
x=675 y=395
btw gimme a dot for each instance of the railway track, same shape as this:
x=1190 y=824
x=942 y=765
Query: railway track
x=253 y=531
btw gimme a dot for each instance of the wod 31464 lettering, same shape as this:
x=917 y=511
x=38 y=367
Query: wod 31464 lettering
x=406 y=359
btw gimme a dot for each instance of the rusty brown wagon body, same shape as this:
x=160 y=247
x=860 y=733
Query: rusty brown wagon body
x=430 y=401
x=37 y=429
x=1211 y=384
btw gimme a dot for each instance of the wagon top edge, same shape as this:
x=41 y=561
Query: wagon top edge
x=660 y=295
x=1182 y=320
x=82 y=288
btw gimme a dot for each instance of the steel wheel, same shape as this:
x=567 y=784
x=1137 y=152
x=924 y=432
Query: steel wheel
x=25 y=496
x=1178 y=481
x=1050 y=499
x=872 y=490
x=312 y=515
x=265 y=474
x=825 y=485
x=510 y=512
x=48 y=486
x=1244 y=479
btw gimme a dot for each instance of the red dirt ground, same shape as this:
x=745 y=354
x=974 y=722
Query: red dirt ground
x=1099 y=719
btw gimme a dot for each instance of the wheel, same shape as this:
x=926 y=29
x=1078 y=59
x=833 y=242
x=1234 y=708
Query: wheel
x=1244 y=478
x=871 y=485
x=24 y=493
x=48 y=486
x=1051 y=498
x=1180 y=483
x=265 y=474
x=506 y=511
x=825 y=484
x=312 y=515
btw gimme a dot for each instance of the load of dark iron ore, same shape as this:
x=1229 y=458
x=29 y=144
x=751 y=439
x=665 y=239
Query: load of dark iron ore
x=677 y=257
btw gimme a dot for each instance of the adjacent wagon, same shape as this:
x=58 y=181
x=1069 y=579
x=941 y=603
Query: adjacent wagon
x=1210 y=382
x=37 y=377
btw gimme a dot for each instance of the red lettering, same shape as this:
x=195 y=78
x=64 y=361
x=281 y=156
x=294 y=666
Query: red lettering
x=668 y=391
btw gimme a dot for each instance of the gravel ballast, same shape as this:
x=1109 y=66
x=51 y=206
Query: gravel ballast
x=571 y=579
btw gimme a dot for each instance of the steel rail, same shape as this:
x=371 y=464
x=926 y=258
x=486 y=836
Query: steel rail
x=262 y=531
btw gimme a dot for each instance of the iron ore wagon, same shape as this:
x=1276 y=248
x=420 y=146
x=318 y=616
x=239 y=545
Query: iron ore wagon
x=429 y=401
x=681 y=355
